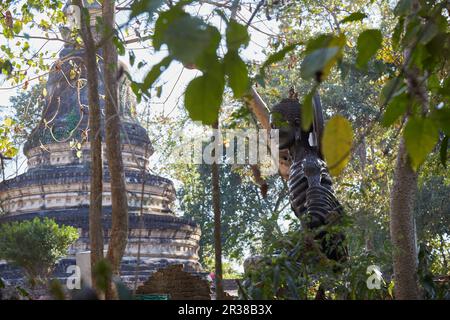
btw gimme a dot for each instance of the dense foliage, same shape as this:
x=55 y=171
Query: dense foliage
x=35 y=245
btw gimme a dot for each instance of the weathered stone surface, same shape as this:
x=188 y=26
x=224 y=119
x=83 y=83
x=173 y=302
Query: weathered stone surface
x=180 y=285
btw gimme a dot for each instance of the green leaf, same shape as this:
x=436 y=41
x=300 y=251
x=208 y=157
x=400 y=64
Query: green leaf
x=159 y=91
x=45 y=25
x=237 y=73
x=6 y=67
x=441 y=118
x=445 y=89
x=203 y=98
x=132 y=58
x=8 y=122
x=443 y=151
x=190 y=38
x=135 y=87
x=26 y=46
x=433 y=83
x=403 y=8
x=22 y=292
x=155 y=72
x=391 y=89
x=237 y=36
x=419 y=57
x=17 y=27
x=308 y=110
x=430 y=31
x=354 y=16
x=141 y=64
x=337 y=142
x=318 y=63
x=11 y=151
x=322 y=53
x=396 y=107
x=397 y=33
x=163 y=22
x=119 y=45
x=145 y=6
x=421 y=135
x=369 y=41
x=412 y=29
x=324 y=41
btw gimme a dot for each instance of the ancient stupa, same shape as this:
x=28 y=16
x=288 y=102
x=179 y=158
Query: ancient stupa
x=56 y=184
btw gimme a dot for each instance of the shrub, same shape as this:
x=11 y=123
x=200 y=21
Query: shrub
x=35 y=245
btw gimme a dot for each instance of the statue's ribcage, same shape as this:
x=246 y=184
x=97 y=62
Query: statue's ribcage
x=311 y=194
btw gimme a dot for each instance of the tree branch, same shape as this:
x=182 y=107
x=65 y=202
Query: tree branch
x=259 y=108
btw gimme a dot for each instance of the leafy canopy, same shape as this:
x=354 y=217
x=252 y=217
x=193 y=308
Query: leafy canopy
x=35 y=245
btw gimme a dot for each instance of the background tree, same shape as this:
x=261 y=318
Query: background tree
x=18 y=244
x=119 y=203
x=95 y=139
x=216 y=205
x=7 y=146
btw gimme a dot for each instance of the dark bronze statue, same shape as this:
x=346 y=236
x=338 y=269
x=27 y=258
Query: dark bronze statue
x=310 y=187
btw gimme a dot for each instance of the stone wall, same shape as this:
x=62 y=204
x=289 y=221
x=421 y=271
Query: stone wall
x=180 y=285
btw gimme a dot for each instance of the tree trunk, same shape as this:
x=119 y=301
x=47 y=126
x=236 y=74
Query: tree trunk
x=119 y=215
x=402 y=227
x=95 y=139
x=217 y=220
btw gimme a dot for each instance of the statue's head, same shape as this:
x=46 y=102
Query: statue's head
x=285 y=116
